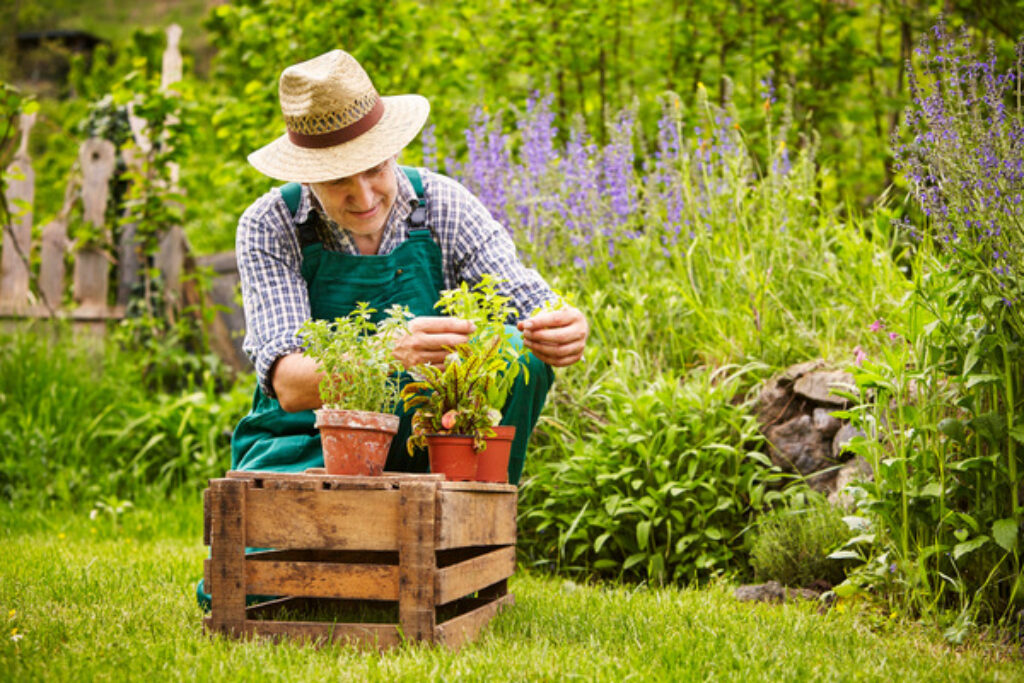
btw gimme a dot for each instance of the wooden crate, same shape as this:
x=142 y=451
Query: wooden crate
x=439 y=551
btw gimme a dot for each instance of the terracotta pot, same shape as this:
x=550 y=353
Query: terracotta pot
x=492 y=462
x=355 y=441
x=453 y=456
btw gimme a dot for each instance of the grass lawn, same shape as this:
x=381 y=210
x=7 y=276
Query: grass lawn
x=95 y=600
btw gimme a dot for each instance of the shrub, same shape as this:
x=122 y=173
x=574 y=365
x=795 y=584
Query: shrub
x=791 y=544
x=663 y=491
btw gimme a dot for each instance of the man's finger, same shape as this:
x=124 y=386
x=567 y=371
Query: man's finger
x=556 y=335
x=441 y=325
x=431 y=342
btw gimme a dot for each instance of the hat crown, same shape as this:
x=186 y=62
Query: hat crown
x=325 y=94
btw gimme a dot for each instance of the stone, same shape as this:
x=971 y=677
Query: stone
x=843 y=437
x=798 y=446
x=773 y=591
x=817 y=386
x=795 y=372
x=825 y=423
x=858 y=469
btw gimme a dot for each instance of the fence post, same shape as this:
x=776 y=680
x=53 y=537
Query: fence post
x=92 y=266
x=17 y=237
x=170 y=256
x=51 y=256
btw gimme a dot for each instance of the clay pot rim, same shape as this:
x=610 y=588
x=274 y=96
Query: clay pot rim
x=356 y=419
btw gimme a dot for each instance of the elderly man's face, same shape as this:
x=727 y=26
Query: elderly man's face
x=360 y=203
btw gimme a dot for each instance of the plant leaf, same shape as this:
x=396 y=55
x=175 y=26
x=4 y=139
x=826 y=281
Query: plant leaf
x=961 y=549
x=1004 y=532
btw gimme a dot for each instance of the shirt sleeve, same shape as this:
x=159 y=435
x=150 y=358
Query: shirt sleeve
x=274 y=294
x=478 y=244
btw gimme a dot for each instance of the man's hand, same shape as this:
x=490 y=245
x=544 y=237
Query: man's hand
x=556 y=337
x=430 y=339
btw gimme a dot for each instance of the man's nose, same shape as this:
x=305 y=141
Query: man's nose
x=362 y=193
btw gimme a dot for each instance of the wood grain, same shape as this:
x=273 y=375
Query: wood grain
x=469 y=576
x=358 y=520
x=416 y=560
x=457 y=631
x=476 y=518
x=322 y=580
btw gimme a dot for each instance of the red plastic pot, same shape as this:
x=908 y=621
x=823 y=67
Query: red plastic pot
x=492 y=462
x=355 y=441
x=453 y=456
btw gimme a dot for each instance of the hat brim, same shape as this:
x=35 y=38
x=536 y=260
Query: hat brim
x=404 y=116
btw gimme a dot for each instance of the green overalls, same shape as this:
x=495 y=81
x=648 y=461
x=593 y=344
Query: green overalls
x=268 y=438
x=271 y=439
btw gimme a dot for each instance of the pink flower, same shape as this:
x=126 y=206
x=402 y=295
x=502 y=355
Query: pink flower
x=876 y=326
x=448 y=419
x=893 y=336
x=859 y=355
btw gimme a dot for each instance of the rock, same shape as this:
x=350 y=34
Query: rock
x=798 y=446
x=773 y=591
x=857 y=469
x=795 y=372
x=818 y=386
x=825 y=423
x=841 y=438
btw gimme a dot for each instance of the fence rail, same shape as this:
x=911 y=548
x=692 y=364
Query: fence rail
x=86 y=300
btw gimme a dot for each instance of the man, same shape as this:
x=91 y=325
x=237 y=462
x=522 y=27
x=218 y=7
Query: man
x=357 y=228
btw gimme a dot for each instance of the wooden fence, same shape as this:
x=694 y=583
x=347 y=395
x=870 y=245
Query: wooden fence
x=27 y=295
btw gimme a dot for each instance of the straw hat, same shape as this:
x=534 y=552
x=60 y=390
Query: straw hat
x=337 y=123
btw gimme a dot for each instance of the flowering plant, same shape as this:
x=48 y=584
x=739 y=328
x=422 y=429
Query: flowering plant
x=962 y=157
x=356 y=357
x=466 y=395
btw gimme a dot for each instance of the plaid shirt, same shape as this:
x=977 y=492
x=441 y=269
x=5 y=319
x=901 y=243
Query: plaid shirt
x=275 y=295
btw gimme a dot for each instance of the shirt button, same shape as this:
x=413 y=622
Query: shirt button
x=399 y=271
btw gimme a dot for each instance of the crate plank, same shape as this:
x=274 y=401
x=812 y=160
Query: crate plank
x=322 y=580
x=475 y=518
x=470 y=576
x=363 y=520
x=227 y=554
x=378 y=636
x=417 y=562
x=465 y=627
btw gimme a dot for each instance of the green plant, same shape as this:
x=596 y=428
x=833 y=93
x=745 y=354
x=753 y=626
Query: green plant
x=661 y=488
x=792 y=544
x=355 y=356
x=466 y=395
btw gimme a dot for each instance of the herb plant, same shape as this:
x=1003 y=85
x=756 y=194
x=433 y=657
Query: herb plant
x=355 y=355
x=467 y=394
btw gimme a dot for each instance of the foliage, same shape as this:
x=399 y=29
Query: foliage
x=356 y=358
x=466 y=395
x=942 y=402
x=792 y=544
x=77 y=424
x=663 y=490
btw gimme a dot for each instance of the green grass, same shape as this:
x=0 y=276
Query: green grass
x=95 y=602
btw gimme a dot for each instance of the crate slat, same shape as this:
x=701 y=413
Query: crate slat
x=466 y=627
x=475 y=518
x=227 y=554
x=361 y=519
x=469 y=576
x=417 y=562
x=322 y=580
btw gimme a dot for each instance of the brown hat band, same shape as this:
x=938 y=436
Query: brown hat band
x=337 y=137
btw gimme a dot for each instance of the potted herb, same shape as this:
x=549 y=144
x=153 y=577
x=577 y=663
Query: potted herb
x=459 y=404
x=359 y=389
